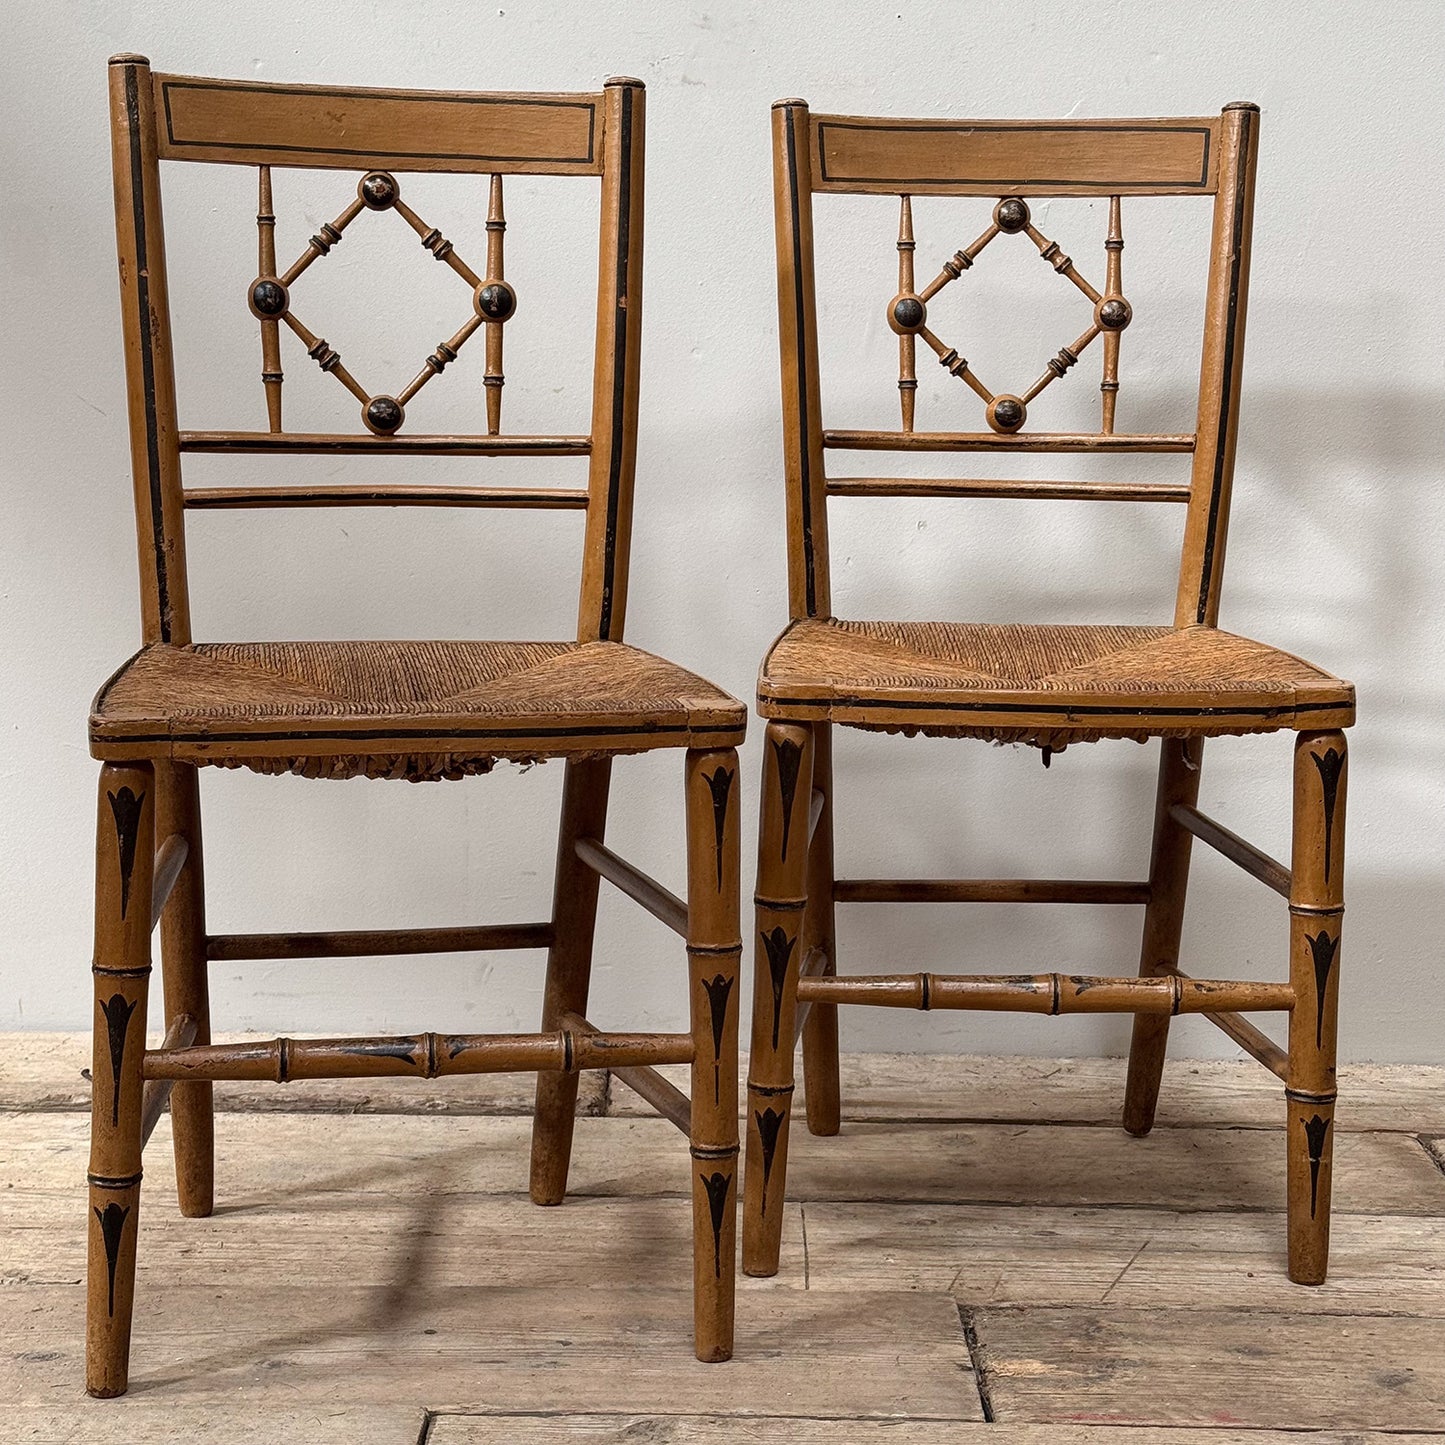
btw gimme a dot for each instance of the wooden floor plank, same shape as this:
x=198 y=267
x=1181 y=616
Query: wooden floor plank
x=363 y=1269
x=419 y=1341
x=259 y=1156
x=1144 y=1367
x=989 y=1254
x=133 y=1421
x=1196 y=1092
x=486 y=1240
x=770 y=1430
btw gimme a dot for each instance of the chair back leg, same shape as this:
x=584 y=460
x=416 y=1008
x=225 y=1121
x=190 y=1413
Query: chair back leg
x=124 y=864
x=1316 y=912
x=788 y=752
x=1179 y=766
x=822 y=1095
x=569 y=969
x=185 y=975
x=714 y=953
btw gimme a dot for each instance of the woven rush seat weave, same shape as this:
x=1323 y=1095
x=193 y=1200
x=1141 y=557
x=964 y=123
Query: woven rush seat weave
x=1047 y=685
x=404 y=709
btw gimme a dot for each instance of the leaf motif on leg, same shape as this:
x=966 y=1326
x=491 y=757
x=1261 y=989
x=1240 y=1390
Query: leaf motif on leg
x=125 y=806
x=117 y=1010
x=719 y=990
x=779 y=948
x=770 y=1123
x=1331 y=764
x=717 y=1185
x=720 y=783
x=788 y=755
x=112 y=1227
x=1324 y=950
x=1315 y=1127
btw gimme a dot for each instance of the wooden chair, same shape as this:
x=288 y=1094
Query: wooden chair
x=398 y=710
x=1048 y=686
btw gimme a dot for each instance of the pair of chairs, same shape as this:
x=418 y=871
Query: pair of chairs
x=449 y=709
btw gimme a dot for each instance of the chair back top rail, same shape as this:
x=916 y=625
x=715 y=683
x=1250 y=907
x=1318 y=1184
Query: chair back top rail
x=1009 y=162
x=329 y=127
x=882 y=156
x=376 y=134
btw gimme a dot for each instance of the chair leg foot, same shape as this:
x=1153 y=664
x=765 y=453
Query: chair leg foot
x=777 y=952
x=1310 y=1146
x=1179 y=763
x=714 y=953
x=124 y=859
x=569 y=970
x=1316 y=906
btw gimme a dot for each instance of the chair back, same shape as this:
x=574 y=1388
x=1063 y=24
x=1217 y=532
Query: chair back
x=381 y=135
x=1012 y=162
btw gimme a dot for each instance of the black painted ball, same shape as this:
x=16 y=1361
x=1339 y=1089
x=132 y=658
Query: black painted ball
x=909 y=313
x=1011 y=215
x=378 y=190
x=1115 y=313
x=268 y=297
x=495 y=301
x=384 y=414
x=1006 y=413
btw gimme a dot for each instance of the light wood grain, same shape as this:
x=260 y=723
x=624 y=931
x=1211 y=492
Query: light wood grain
x=519 y=1349
x=235 y=1422
x=320 y=1239
x=1198 y=1093
x=1215 y=1169
x=1136 y=1258
x=769 y=1430
x=1127 y=1367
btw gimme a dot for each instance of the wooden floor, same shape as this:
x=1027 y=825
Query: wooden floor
x=989 y=1259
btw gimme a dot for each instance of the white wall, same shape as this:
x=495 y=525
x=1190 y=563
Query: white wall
x=1338 y=533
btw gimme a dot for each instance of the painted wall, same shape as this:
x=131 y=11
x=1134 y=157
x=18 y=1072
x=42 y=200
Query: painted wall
x=1338 y=534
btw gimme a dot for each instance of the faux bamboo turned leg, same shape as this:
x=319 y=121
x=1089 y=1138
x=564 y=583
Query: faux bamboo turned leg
x=788 y=752
x=569 y=969
x=821 y=1094
x=714 y=949
x=187 y=986
x=124 y=859
x=1316 y=911
x=1163 y=924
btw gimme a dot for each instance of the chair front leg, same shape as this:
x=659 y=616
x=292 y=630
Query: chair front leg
x=185 y=975
x=124 y=866
x=777 y=958
x=714 y=950
x=1179 y=763
x=1316 y=908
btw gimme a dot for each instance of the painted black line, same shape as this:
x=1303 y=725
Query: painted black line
x=147 y=350
x=1226 y=390
x=805 y=476
x=619 y=370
